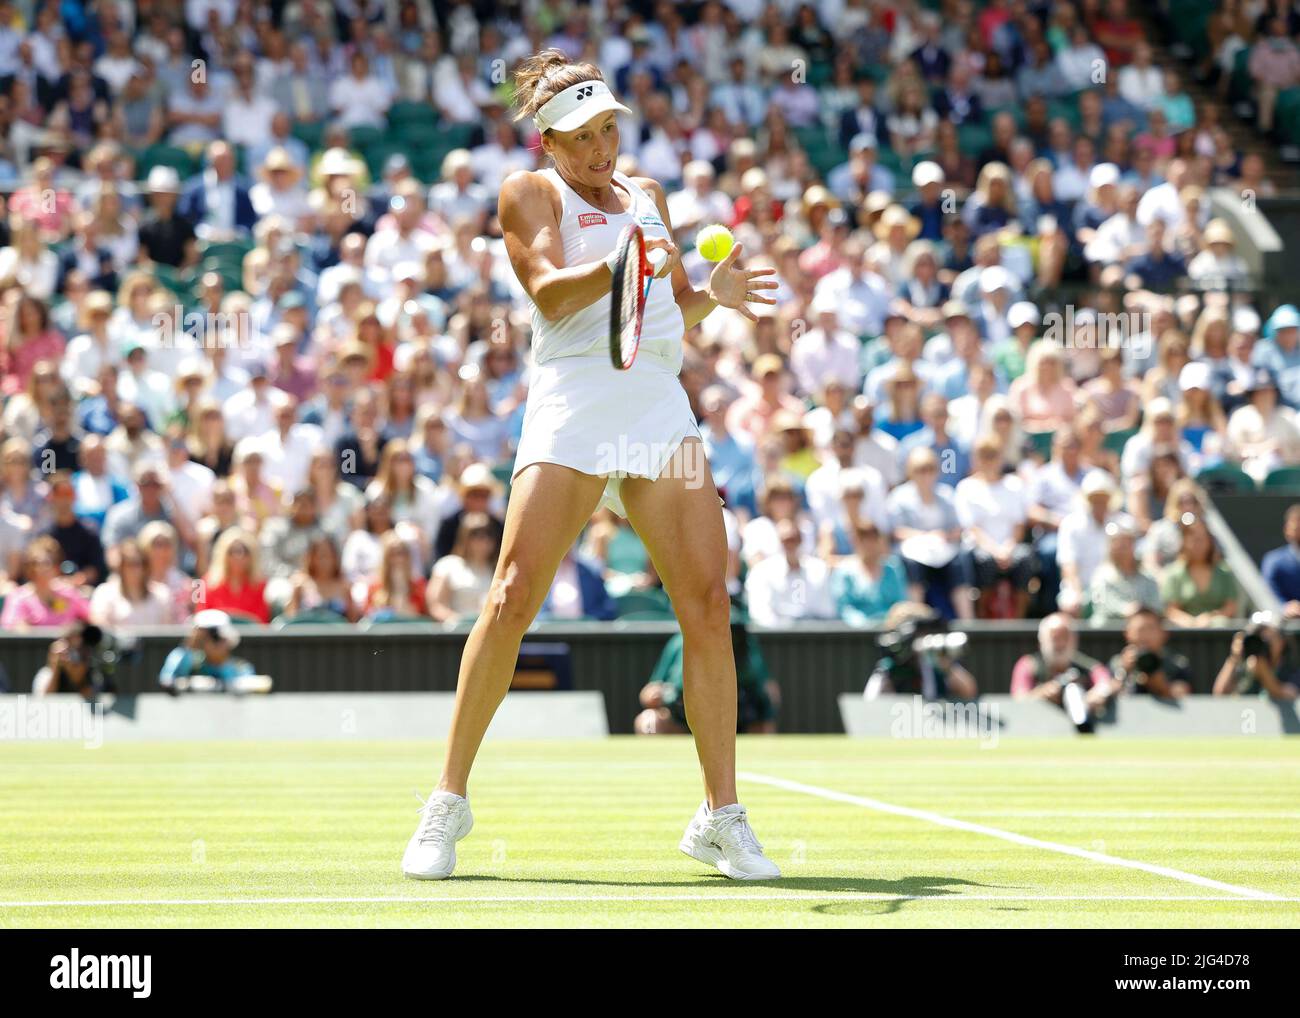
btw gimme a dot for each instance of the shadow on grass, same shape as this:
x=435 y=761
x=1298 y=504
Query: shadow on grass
x=894 y=893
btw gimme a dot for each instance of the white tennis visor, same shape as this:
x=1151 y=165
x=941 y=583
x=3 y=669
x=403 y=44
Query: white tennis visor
x=576 y=105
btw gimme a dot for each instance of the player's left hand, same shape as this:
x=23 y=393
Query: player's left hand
x=733 y=287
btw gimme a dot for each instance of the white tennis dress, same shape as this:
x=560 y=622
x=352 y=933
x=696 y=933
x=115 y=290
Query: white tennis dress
x=582 y=412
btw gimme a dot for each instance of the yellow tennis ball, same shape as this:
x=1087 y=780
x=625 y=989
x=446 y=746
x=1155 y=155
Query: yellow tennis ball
x=714 y=242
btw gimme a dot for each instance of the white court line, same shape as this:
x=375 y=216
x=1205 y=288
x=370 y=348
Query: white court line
x=994 y=832
x=634 y=898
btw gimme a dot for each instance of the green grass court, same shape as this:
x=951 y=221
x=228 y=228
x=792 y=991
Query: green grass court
x=584 y=834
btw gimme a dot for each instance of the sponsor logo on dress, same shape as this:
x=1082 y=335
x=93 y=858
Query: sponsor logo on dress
x=586 y=219
x=651 y=220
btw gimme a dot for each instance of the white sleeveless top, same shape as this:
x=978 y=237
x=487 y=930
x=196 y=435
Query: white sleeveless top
x=589 y=235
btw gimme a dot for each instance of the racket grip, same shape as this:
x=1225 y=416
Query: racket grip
x=656 y=258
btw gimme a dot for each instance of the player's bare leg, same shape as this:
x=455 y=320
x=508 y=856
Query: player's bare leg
x=549 y=505
x=678 y=519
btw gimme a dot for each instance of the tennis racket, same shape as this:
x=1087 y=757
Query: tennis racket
x=634 y=271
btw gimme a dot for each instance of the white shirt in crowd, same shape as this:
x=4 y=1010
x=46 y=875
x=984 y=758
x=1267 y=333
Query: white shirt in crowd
x=758 y=539
x=778 y=593
x=191 y=487
x=996 y=508
x=824 y=491
x=1081 y=542
x=818 y=353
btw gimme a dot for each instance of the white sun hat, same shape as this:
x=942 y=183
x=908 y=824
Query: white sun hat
x=576 y=105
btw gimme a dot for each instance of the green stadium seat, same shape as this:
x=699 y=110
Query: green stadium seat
x=974 y=138
x=1041 y=442
x=397 y=620
x=644 y=601
x=228 y=252
x=453 y=136
x=1225 y=479
x=404 y=113
x=1283 y=480
x=415 y=136
x=310 y=134
x=626 y=553
x=649 y=616
x=1116 y=440
x=362 y=136
x=166 y=155
x=503 y=473
x=378 y=153
x=316 y=617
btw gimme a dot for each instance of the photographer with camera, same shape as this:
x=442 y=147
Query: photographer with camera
x=1059 y=674
x=1261 y=661
x=81 y=661
x=205 y=662
x=1144 y=665
x=920 y=656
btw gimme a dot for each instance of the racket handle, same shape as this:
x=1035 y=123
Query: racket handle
x=656 y=258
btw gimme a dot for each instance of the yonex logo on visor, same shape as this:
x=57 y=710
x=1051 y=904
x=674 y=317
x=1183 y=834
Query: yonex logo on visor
x=576 y=105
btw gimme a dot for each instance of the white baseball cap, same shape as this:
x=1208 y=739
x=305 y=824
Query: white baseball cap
x=927 y=173
x=575 y=106
x=218 y=623
x=164 y=179
x=1023 y=312
x=1103 y=174
x=995 y=277
x=1195 y=375
x=1245 y=319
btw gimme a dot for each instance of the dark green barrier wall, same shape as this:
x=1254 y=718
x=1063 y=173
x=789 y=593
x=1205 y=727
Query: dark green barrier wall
x=1256 y=520
x=813 y=665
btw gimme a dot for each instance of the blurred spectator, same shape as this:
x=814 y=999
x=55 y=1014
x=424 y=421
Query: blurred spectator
x=867 y=585
x=459 y=585
x=1120 y=586
x=320 y=586
x=1198 y=588
x=991 y=508
x=46 y=599
x=82 y=560
x=1281 y=566
x=1082 y=539
x=477 y=490
x=233 y=582
x=790 y=586
x=577 y=592
x=1262 y=434
x=128 y=597
x=397 y=592
x=928 y=531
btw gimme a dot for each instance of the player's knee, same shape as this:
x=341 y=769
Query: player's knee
x=511 y=600
x=708 y=609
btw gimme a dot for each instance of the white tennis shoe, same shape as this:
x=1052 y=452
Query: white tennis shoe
x=431 y=853
x=723 y=838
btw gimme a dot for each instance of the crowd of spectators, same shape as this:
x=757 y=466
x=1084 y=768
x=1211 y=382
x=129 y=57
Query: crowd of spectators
x=263 y=352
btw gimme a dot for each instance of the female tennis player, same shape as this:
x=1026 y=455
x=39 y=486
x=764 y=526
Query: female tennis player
x=594 y=436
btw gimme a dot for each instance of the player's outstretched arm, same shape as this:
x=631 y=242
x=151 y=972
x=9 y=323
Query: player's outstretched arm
x=729 y=286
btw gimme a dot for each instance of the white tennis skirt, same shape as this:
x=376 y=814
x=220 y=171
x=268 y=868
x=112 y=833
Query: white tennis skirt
x=584 y=414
